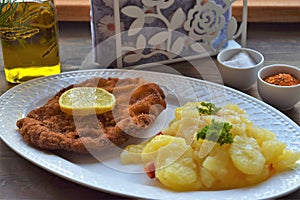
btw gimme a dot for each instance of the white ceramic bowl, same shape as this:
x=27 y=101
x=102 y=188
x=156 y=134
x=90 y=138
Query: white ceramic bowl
x=241 y=78
x=281 y=97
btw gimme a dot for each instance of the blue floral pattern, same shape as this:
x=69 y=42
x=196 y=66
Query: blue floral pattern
x=178 y=25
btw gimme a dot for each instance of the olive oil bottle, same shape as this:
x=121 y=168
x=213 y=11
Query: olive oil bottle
x=29 y=39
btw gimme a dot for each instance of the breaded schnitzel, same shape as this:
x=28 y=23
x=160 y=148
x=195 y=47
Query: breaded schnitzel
x=138 y=103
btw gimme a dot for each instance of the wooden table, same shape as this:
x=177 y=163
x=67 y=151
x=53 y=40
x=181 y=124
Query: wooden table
x=258 y=10
x=20 y=179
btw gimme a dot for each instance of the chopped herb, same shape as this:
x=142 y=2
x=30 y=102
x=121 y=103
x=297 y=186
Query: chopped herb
x=216 y=132
x=209 y=108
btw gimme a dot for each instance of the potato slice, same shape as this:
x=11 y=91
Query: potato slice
x=246 y=155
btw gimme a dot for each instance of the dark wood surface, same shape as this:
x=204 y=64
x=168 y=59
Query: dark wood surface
x=20 y=179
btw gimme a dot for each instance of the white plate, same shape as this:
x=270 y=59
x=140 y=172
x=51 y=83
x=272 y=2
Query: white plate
x=109 y=175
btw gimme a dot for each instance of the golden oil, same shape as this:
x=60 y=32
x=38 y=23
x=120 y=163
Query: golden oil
x=29 y=41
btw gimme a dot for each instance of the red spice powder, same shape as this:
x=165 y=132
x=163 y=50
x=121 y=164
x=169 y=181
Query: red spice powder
x=282 y=79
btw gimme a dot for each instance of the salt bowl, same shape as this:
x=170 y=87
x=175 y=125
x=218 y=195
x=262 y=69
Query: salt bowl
x=239 y=67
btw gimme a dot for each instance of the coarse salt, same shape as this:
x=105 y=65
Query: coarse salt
x=240 y=60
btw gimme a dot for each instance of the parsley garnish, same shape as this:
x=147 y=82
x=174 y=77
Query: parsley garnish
x=216 y=132
x=209 y=108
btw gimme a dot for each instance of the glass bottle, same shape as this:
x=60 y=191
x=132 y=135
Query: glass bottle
x=29 y=39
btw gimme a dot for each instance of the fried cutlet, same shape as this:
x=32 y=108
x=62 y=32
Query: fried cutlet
x=138 y=103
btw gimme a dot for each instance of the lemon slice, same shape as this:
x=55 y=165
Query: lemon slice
x=86 y=101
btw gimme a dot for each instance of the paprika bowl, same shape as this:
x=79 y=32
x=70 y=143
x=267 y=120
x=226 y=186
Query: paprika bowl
x=281 y=97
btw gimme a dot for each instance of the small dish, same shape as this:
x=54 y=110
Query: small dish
x=243 y=75
x=281 y=97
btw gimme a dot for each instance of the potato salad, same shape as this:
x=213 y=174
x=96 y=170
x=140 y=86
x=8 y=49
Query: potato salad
x=210 y=148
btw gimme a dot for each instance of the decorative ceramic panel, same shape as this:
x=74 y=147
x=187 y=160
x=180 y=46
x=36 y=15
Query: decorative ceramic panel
x=131 y=32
